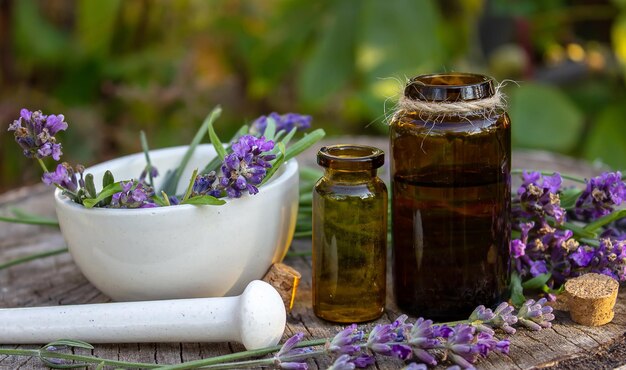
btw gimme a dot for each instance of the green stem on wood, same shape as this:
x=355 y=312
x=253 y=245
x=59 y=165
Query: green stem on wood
x=517 y=171
x=31 y=257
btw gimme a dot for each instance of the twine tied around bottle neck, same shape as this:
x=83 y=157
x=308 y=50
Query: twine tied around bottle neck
x=437 y=110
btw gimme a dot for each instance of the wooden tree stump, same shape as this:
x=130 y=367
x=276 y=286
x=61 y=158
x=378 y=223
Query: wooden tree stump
x=57 y=281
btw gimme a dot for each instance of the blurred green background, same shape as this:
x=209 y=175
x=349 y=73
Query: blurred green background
x=116 y=67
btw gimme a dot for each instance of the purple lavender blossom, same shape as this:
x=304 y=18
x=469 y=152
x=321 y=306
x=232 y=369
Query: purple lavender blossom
x=343 y=342
x=415 y=366
x=343 y=362
x=379 y=339
x=421 y=338
x=582 y=256
x=485 y=343
x=601 y=195
x=503 y=318
x=382 y=339
x=460 y=345
x=517 y=248
x=63 y=176
x=538 y=196
x=246 y=166
x=205 y=185
x=363 y=360
x=534 y=315
x=286 y=122
x=34 y=132
x=133 y=195
x=288 y=349
x=538 y=268
x=609 y=258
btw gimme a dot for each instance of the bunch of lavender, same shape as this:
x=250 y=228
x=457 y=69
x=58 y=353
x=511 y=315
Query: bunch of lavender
x=565 y=232
x=415 y=345
x=251 y=158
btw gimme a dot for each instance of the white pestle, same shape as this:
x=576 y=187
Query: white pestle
x=256 y=319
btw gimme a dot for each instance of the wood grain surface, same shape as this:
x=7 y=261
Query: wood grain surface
x=57 y=281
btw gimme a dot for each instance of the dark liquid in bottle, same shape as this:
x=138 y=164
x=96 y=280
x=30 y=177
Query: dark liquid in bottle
x=449 y=228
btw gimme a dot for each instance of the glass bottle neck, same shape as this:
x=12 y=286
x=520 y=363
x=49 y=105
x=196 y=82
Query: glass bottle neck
x=349 y=176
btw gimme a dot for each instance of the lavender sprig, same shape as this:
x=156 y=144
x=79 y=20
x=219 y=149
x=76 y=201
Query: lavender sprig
x=460 y=343
x=34 y=132
x=552 y=245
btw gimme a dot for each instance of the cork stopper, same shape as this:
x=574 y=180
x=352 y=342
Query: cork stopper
x=285 y=280
x=591 y=298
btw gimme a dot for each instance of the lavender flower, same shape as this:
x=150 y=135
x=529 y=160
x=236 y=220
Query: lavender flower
x=379 y=339
x=534 y=315
x=460 y=346
x=422 y=337
x=601 y=195
x=415 y=366
x=503 y=318
x=246 y=166
x=344 y=341
x=485 y=343
x=64 y=176
x=288 y=349
x=343 y=362
x=133 y=195
x=538 y=196
x=382 y=339
x=34 y=132
x=609 y=258
x=205 y=184
x=363 y=360
x=286 y=122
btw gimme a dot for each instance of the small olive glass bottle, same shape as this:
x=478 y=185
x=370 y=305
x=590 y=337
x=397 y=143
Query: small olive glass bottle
x=349 y=235
x=451 y=193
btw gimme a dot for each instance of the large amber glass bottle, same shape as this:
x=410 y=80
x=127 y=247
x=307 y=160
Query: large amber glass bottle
x=349 y=235
x=450 y=197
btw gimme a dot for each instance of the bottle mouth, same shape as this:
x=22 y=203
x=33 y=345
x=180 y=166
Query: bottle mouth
x=350 y=157
x=449 y=87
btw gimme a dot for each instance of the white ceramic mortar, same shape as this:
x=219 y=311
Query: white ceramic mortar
x=181 y=251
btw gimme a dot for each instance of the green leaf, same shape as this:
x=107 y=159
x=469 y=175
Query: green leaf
x=100 y=366
x=569 y=197
x=105 y=193
x=146 y=153
x=289 y=136
x=606 y=141
x=217 y=143
x=542 y=117
x=517 y=291
x=216 y=162
x=602 y=221
x=69 y=343
x=204 y=200
x=107 y=179
x=332 y=62
x=270 y=129
x=304 y=143
x=537 y=282
x=171 y=181
x=579 y=231
x=547 y=289
x=90 y=186
x=32 y=257
x=278 y=162
x=192 y=180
